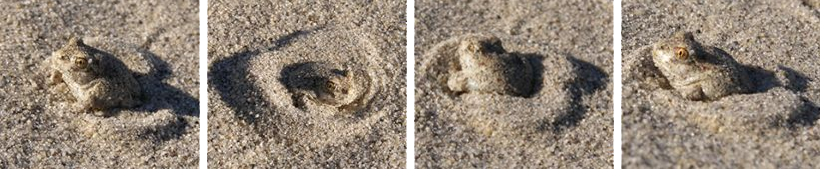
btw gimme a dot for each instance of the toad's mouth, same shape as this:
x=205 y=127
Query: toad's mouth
x=690 y=80
x=82 y=68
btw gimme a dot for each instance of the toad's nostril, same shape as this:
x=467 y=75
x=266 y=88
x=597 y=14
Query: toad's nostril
x=80 y=62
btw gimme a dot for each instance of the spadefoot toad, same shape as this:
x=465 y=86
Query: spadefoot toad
x=484 y=66
x=97 y=80
x=330 y=86
x=698 y=72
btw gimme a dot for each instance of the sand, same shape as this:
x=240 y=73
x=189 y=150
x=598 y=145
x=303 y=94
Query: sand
x=774 y=126
x=565 y=123
x=257 y=120
x=156 y=39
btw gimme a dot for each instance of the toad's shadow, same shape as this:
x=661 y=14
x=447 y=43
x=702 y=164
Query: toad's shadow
x=590 y=79
x=763 y=80
x=230 y=78
x=160 y=95
x=538 y=72
x=157 y=95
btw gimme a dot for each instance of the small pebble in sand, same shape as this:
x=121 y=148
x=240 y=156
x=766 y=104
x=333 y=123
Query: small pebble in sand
x=485 y=67
x=96 y=80
x=325 y=84
x=698 y=72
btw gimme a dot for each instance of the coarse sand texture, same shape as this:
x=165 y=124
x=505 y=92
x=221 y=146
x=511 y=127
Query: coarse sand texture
x=739 y=90
x=308 y=84
x=513 y=84
x=98 y=84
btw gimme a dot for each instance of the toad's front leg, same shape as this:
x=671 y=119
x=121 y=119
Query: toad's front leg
x=457 y=82
x=82 y=105
x=95 y=98
x=54 y=78
x=692 y=92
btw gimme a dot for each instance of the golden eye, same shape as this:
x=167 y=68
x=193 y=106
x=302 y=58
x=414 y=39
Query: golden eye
x=681 y=53
x=330 y=85
x=80 y=62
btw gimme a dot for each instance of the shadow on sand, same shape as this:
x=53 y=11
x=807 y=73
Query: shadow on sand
x=231 y=79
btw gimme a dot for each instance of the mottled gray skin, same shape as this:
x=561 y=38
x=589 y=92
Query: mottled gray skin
x=97 y=80
x=329 y=86
x=485 y=67
x=698 y=72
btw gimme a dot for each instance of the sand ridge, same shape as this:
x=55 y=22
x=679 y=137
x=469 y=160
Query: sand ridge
x=275 y=113
x=257 y=121
x=319 y=122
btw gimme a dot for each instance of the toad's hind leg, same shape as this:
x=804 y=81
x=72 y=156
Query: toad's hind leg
x=715 y=89
x=132 y=101
x=82 y=105
x=694 y=92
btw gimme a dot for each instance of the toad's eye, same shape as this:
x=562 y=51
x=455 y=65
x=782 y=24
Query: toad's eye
x=81 y=62
x=681 y=53
x=330 y=85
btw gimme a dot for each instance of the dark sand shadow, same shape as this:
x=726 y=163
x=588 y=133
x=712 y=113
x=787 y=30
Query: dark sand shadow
x=158 y=91
x=538 y=72
x=229 y=76
x=806 y=116
x=158 y=95
x=168 y=96
x=591 y=78
x=291 y=70
x=797 y=81
x=166 y=132
x=761 y=80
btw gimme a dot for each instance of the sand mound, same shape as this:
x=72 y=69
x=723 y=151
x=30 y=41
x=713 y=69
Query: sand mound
x=156 y=40
x=552 y=90
x=322 y=89
x=312 y=84
x=159 y=120
x=775 y=42
x=317 y=121
x=564 y=123
x=496 y=125
x=774 y=91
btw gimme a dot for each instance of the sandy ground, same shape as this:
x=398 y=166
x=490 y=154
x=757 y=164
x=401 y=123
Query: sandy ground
x=774 y=126
x=156 y=39
x=256 y=120
x=565 y=123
